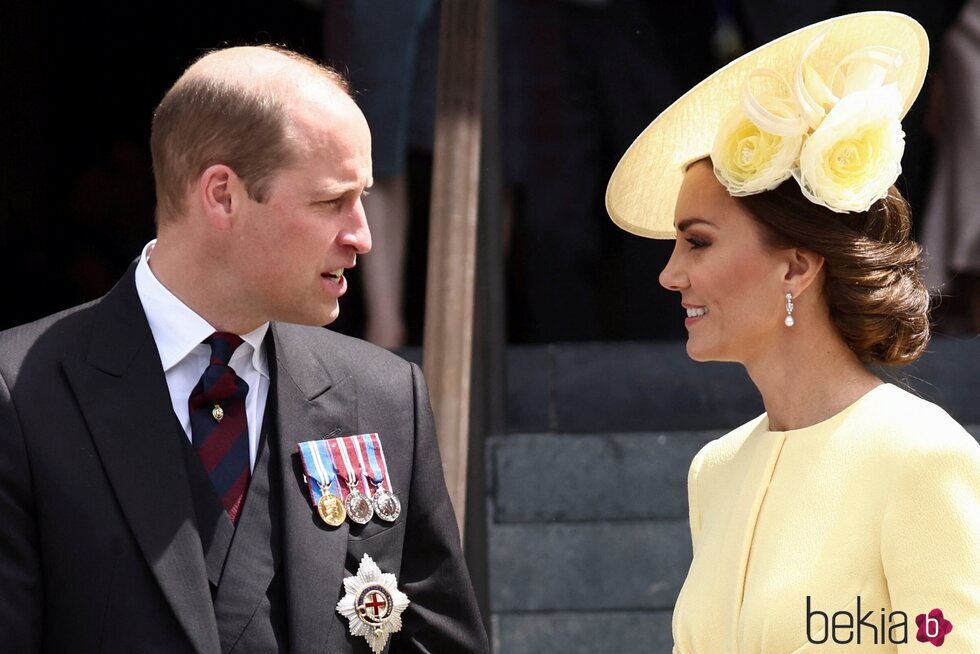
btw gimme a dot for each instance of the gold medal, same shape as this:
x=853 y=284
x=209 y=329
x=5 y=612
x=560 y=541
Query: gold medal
x=329 y=506
x=331 y=509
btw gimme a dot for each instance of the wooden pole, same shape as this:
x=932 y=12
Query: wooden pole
x=451 y=279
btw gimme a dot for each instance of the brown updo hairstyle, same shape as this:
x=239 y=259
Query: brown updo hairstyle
x=873 y=285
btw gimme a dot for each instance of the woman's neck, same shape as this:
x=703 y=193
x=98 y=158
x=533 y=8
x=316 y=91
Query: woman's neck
x=806 y=380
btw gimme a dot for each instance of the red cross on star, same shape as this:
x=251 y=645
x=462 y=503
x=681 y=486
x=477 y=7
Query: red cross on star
x=376 y=601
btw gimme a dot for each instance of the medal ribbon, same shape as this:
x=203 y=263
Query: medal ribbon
x=321 y=453
x=338 y=447
x=354 y=452
x=312 y=453
x=370 y=446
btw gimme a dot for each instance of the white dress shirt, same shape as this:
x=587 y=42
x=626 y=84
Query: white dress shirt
x=179 y=334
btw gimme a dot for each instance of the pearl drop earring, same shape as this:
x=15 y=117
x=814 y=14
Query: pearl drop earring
x=789 y=310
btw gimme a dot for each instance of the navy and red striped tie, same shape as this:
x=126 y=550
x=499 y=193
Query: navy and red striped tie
x=219 y=424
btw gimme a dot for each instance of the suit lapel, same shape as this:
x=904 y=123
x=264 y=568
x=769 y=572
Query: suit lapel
x=123 y=395
x=312 y=401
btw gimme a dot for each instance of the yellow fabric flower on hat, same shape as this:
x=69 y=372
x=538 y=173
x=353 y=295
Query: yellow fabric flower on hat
x=854 y=156
x=758 y=143
x=839 y=136
x=748 y=159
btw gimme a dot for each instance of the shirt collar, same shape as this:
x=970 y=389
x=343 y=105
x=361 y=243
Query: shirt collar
x=176 y=328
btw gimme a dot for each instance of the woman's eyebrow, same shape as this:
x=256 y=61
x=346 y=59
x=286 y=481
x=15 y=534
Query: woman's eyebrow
x=688 y=222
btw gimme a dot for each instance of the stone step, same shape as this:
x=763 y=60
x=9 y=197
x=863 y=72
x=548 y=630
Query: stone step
x=576 y=477
x=588 y=566
x=548 y=478
x=622 y=387
x=629 y=387
x=622 y=632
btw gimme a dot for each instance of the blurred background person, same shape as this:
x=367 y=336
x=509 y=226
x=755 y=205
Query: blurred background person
x=618 y=63
x=389 y=49
x=952 y=222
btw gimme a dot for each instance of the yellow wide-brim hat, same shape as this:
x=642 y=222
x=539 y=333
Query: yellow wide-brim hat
x=643 y=189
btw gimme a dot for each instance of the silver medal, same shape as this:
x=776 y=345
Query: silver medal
x=359 y=508
x=386 y=505
x=358 y=504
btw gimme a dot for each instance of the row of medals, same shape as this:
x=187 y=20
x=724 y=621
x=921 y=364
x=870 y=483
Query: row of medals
x=358 y=507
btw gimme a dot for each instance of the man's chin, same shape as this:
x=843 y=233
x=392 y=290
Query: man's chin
x=319 y=317
x=330 y=316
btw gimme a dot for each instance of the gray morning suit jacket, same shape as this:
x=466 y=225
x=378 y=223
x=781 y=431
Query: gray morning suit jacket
x=112 y=541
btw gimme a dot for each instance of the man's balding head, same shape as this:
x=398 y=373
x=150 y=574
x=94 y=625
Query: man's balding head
x=234 y=106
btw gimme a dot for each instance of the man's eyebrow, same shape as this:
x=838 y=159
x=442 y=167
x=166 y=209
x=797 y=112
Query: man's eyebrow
x=341 y=188
x=688 y=222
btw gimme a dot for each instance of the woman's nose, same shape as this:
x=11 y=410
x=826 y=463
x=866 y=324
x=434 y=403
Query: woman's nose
x=672 y=276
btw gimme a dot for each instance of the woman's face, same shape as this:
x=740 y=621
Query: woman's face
x=732 y=285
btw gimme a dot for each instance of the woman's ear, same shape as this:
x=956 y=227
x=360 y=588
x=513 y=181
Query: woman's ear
x=804 y=267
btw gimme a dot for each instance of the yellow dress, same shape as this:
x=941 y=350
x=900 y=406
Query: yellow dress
x=879 y=504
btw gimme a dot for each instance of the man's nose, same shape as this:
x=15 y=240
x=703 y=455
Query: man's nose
x=358 y=234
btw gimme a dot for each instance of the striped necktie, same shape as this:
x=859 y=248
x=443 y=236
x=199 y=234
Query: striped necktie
x=219 y=424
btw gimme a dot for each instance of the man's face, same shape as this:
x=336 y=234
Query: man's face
x=295 y=246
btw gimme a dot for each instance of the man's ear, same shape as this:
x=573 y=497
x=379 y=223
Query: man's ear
x=221 y=194
x=804 y=267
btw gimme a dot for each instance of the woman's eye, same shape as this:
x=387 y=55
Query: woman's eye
x=697 y=243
